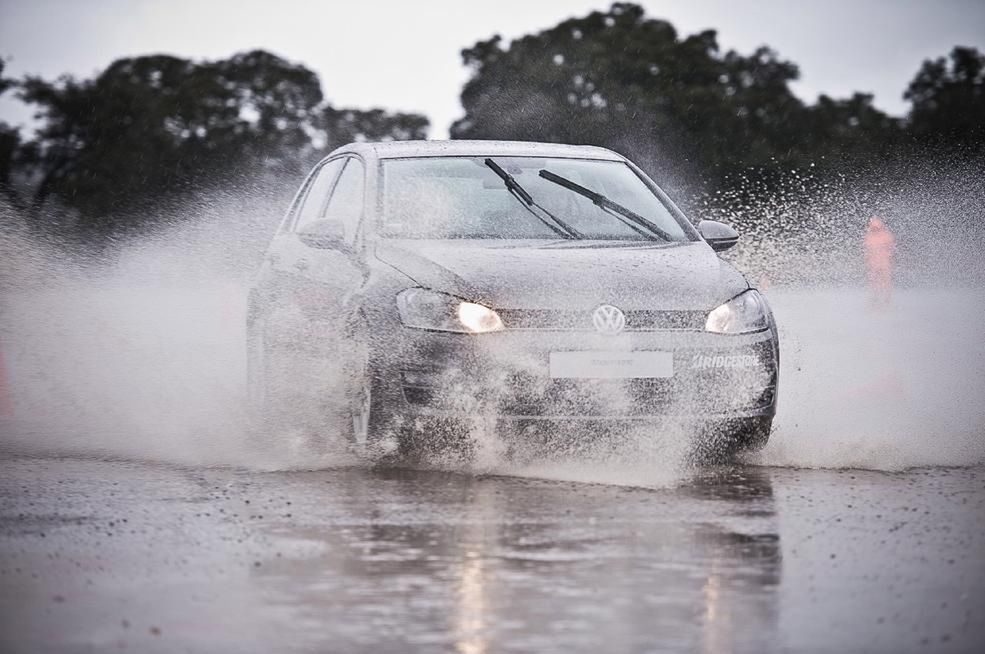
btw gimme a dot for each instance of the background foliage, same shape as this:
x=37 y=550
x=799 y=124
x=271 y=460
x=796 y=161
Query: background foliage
x=149 y=133
x=721 y=128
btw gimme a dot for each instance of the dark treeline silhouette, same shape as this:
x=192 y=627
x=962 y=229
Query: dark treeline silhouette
x=623 y=80
x=151 y=131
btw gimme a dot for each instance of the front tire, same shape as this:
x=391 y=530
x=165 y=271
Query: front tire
x=721 y=443
x=754 y=435
x=360 y=412
x=364 y=421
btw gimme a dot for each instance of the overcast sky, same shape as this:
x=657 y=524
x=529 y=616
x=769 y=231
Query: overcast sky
x=404 y=54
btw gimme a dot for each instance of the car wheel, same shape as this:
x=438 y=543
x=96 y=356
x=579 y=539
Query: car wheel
x=364 y=421
x=755 y=435
x=361 y=409
x=721 y=443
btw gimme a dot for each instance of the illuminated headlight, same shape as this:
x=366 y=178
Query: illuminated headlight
x=424 y=309
x=741 y=315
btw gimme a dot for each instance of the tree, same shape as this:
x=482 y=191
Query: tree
x=623 y=80
x=948 y=102
x=149 y=132
x=341 y=126
x=9 y=147
x=679 y=105
x=852 y=130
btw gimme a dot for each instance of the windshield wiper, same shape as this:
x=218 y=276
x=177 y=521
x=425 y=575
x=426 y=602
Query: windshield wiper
x=527 y=200
x=636 y=222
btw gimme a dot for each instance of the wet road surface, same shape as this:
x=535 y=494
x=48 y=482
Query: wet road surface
x=121 y=556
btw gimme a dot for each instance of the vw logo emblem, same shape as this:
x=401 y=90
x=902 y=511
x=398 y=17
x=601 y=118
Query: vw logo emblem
x=609 y=319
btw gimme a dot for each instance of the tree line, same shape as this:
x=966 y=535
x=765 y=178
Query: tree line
x=152 y=131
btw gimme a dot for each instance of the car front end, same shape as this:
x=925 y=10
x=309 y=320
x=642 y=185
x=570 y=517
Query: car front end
x=535 y=285
x=447 y=357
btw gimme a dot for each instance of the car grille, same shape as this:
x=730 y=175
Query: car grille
x=690 y=392
x=582 y=320
x=636 y=397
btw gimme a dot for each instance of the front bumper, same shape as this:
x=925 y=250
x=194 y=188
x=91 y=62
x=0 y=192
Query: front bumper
x=507 y=375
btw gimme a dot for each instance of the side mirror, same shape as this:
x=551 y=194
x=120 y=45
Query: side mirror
x=325 y=235
x=718 y=235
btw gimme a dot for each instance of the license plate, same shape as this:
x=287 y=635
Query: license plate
x=611 y=365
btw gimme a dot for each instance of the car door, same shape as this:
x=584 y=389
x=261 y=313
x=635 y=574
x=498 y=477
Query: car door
x=286 y=256
x=312 y=283
x=327 y=277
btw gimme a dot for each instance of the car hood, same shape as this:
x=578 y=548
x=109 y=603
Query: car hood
x=568 y=274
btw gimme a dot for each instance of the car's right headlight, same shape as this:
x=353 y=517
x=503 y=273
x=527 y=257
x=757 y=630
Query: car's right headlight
x=425 y=309
x=742 y=314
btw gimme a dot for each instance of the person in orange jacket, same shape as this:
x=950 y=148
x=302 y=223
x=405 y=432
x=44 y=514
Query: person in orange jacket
x=879 y=247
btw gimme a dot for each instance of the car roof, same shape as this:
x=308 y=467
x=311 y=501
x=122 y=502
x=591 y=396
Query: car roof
x=404 y=149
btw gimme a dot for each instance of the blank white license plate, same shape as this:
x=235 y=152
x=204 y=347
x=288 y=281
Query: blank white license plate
x=611 y=365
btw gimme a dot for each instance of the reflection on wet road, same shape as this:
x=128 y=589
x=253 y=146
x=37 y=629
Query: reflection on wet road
x=100 y=555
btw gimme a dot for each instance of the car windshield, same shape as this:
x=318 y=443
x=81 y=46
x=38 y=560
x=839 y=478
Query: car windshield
x=463 y=197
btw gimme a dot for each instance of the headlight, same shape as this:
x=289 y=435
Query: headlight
x=742 y=314
x=424 y=309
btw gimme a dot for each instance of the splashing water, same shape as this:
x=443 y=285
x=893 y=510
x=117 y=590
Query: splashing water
x=879 y=388
x=142 y=355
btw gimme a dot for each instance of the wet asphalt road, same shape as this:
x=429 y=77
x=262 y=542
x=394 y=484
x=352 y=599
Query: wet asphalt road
x=119 y=556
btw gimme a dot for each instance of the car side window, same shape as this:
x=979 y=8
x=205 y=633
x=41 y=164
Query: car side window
x=346 y=203
x=316 y=199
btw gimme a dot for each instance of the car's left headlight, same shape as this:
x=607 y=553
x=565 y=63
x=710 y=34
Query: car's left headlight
x=425 y=309
x=742 y=314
